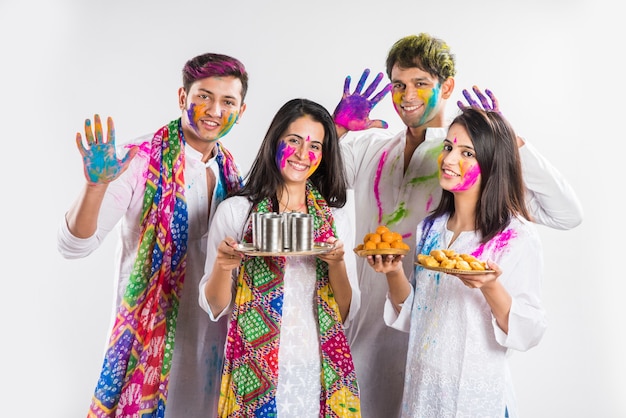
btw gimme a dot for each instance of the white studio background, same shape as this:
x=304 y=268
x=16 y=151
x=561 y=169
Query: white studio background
x=554 y=65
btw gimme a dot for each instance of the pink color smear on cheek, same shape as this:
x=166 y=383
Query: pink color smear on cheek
x=196 y=111
x=282 y=154
x=315 y=162
x=468 y=178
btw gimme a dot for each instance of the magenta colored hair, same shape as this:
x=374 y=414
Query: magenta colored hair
x=214 y=65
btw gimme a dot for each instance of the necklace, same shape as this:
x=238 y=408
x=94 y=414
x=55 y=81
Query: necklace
x=287 y=208
x=298 y=208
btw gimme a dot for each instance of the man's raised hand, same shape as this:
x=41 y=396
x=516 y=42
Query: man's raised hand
x=484 y=102
x=100 y=162
x=353 y=111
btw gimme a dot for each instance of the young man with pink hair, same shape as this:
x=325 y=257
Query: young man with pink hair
x=163 y=349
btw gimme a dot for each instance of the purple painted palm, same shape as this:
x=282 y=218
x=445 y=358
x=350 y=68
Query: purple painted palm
x=484 y=103
x=354 y=109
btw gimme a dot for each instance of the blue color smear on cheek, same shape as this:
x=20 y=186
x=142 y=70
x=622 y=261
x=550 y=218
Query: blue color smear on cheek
x=431 y=103
x=228 y=124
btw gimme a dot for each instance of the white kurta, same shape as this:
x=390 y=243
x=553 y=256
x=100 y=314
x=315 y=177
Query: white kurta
x=458 y=365
x=385 y=194
x=299 y=355
x=198 y=353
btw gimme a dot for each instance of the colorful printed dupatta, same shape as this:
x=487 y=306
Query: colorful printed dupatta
x=250 y=374
x=135 y=373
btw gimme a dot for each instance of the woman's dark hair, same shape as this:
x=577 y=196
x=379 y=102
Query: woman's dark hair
x=501 y=187
x=264 y=178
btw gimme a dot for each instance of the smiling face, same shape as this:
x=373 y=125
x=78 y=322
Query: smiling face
x=210 y=108
x=299 y=150
x=458 y=167
x=417 y=96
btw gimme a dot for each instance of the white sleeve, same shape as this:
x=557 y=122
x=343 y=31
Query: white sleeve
x=550 y=198
x=402 y=320
x=227 y=222
x=522 y=276
x=345 y=232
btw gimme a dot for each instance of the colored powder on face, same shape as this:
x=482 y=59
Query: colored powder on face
x=396 y=98
x=430 y=99
x=193 y=114
x=315 y=162
x=468 y=178
x=228 y=121
x=197 y=111
x=283 y=152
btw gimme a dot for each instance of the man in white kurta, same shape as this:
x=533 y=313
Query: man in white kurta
x=211 y=101
x=395 y=183
x=199 y=343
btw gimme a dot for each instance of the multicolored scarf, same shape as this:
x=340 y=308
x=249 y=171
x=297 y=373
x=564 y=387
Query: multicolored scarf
x=250 y=374
x=135 y=374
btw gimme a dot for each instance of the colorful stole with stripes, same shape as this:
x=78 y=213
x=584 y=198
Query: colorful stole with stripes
x=135 y=373
x=250 y=374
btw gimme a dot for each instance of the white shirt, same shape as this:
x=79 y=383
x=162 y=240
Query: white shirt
x=198 y=353
x=458 y=366
x=385 y=194
x=298 y=390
